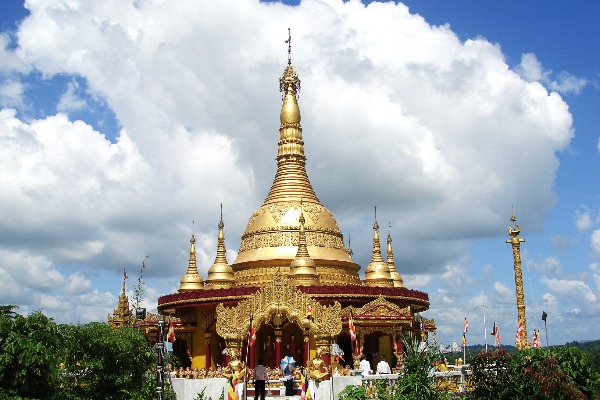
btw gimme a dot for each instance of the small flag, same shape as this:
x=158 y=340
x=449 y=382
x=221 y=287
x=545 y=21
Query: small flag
x=520 y=329
x=171 y=334
x=125 y=274
x=231 y=388
x=497 y=334
x=302 y=387
x=494 y=329
x=466 y=326
x=464 y=340
x=544 y=316
x=536 y=339
x=251 y=333
x=352 y=327
x=422 y=326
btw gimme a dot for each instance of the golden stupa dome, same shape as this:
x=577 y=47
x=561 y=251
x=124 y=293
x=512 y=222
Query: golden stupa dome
x=270 y=241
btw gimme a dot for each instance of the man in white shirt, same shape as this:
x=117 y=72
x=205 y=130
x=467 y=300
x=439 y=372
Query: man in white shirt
x=364 y=366
x=260 y=377
x=383 y=367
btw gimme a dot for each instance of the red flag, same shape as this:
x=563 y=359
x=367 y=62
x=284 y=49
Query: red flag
x=125 y=274
x=352 y=327
x=251 y=334
x=171 y=334
x=497 y=336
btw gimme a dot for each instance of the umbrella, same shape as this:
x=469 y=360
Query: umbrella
x=287 y=364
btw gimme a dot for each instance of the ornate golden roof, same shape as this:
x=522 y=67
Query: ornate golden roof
x=398 y=282
x=220 y=274
x=377 y=272
x=191 y=280
x=272 y=234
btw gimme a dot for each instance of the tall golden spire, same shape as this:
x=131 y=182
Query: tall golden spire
x=291 y=180
x=192 y=279
x=515 y=241
x=377 y=272
x=122 y=315
x=303 y=270
x=271 y=239
x=220 y=274
x=398 y=282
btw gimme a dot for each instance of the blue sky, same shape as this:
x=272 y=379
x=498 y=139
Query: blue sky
x=122 y=124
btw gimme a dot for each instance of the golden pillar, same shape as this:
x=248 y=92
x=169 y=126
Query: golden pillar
x=521 y=341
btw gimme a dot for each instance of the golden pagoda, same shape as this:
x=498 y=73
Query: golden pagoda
x=293 y=277
x=122 y=315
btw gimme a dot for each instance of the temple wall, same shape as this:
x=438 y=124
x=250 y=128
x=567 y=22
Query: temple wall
x=188 y=389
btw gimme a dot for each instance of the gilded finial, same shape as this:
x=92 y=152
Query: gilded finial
x=289 y=42
x=349 y=251
x=221 y=224
x=375 y=225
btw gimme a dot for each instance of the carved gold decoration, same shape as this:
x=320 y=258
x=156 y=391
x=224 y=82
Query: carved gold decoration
x=278 y=302
x=317 y=369
x=516 y=241
x=385 y=311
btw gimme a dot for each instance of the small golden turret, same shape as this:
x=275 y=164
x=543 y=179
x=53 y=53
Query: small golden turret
x=220 y=274
x=192 y=279
x=377 y=272
x=122 y=316
x=303 y=270
x=398 y=282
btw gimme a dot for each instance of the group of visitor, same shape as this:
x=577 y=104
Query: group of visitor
x=382 y=367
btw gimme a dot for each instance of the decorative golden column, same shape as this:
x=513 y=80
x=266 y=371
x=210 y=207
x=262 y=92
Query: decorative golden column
x=515 y=241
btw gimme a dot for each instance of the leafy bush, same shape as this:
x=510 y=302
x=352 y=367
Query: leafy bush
x=557 y=373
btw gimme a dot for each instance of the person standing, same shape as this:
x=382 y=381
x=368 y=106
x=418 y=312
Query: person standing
x=365 y=366
x=260 y=378
x=383 y=367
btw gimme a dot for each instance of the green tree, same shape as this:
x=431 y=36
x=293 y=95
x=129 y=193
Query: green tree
x=27 y=351
x=98 y=362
